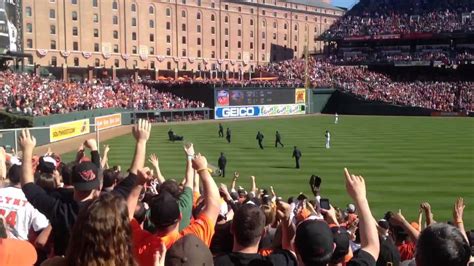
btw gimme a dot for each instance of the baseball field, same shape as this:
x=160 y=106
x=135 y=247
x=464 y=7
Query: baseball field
x=405 y=160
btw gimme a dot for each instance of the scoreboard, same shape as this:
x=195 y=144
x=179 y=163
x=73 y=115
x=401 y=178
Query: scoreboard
x=254 y=102
x=239 y=97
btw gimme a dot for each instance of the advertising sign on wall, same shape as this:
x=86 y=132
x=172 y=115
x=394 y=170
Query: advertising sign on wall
x=232 y=112
x=108 y=121
x=68 y=130
x=300 y=96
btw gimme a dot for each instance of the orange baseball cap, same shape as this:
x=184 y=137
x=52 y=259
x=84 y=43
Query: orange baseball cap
x=14 y=252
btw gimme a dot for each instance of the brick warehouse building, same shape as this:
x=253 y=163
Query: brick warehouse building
x=168 y=34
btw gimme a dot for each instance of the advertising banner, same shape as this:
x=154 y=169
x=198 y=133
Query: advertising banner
x=223 y=98
x=287 y=109
x=300 y=96
x=233 y=112
x=386 y=37
x=108 y=121
x=68 y=130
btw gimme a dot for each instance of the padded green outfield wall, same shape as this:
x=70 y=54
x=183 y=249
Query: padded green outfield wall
x=8 y=120
x=76 y=123
x=318 y=99
x=44 y=121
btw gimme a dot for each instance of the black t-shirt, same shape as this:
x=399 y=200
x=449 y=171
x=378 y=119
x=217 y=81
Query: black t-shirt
x=388 y=253
x=277 y=258
x=222 y=241
x=362 y=258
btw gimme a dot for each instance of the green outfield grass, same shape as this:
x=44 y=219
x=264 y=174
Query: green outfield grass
x=405 y=160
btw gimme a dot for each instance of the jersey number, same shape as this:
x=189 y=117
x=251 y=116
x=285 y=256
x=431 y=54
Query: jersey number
x=10 y=219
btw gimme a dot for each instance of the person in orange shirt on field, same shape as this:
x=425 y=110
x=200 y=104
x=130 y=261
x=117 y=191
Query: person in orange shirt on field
x=165 y=215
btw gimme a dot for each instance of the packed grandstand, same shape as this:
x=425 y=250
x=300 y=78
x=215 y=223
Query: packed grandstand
x=32 y=95
x=153 y=214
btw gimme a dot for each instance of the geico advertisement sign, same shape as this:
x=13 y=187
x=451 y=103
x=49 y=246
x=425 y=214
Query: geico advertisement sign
x=237 y=112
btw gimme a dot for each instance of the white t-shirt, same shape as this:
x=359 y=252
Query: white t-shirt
x=328 y=136
x=19 y=214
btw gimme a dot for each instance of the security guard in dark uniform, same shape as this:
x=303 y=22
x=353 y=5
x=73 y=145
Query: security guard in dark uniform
x=221 y=163
x=228 y=135
x=297 y=156
x=260 y=139
x=278 y=140
x=221 y=131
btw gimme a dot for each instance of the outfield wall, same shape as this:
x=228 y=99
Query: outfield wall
x=59 y=127
x=346 y=103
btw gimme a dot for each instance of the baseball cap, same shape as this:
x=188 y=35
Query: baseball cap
x=415 y=225
x=341 y=239
x=85 y=176
x=14 y=252
x=351 y=208
x=189 y=250
x=314 y=242
x=47 y=164
x=164 y=210
x=384 y=224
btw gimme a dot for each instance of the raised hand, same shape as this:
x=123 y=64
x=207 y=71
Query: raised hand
x=106 y=148
x=236 y=175
x=153 y=159
x=426 y=207
x=2 y=154
x=144 y=176
x=355 y=186
x=141 y=132
x=91 y=144
x=458 y=210
x=225 y=191
x=199 y=162
x=272 y=191
x=283 y=210
x=189 y=149
x=223 y=187
x=398 y=218
x=27 y=141
x=160 y=256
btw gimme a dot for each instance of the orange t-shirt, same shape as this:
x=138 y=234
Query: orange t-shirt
x=145 y=244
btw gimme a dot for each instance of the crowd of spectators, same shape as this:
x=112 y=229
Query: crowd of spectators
x=362 y=56
x=89 y=213
x=390 y=17
x=436 y=95
x=35 y=96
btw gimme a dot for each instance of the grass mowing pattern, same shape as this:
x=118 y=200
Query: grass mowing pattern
x=405 y=160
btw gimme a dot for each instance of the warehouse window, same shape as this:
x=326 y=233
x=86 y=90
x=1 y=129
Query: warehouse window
x=28 y=11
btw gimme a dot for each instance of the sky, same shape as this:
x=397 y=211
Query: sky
x=344 y=3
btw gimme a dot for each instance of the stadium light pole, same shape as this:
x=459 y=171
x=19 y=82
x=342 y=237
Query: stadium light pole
x=306 y=79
